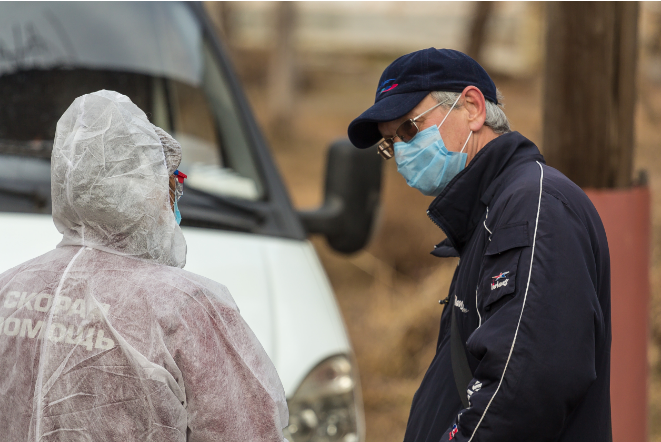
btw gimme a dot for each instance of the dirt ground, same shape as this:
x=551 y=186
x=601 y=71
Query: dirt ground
x=389 y=292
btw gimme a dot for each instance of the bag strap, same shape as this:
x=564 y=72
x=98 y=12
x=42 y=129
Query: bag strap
x=460 y=368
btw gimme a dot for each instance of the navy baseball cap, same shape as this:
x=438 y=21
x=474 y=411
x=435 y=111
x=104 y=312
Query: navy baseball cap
x=411 y=78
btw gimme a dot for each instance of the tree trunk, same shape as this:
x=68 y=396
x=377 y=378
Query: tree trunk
x=589 y=91
x=220 y=17
x=477 y=29
x=281 y=76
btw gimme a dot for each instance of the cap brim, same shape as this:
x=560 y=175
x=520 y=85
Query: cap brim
x=364 y=132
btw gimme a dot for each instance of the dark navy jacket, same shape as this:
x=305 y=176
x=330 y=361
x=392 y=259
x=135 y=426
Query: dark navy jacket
x=531 y=295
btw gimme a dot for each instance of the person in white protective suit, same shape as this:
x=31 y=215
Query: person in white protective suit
x=106 y=338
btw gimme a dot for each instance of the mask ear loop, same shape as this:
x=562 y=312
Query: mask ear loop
x=469 y=137
x=448 y=114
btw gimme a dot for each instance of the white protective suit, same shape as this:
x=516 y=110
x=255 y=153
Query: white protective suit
x=106 y=338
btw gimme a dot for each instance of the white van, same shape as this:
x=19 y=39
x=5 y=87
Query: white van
x=239 y=224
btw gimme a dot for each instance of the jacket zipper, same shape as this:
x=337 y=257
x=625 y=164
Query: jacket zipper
x=435 y=221
x=438 y=224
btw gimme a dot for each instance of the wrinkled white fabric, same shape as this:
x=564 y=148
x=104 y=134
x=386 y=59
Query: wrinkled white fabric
x=104 y=338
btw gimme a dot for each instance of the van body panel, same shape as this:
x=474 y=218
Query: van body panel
x=305 y=311
x=282 y=292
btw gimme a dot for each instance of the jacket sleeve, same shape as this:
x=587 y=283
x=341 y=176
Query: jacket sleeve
x=232 y=389
x=540 y=325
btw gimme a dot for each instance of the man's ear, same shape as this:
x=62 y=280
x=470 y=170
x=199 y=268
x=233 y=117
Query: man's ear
x=476 y=107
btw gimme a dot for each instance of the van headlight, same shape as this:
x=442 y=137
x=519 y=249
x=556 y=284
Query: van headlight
x=327 y=407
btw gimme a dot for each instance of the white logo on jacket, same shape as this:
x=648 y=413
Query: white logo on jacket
x=460 y=304
x=474 y=389
x=497 y=281
x=496 y=285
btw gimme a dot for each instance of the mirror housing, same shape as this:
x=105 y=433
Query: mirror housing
x=351 y=197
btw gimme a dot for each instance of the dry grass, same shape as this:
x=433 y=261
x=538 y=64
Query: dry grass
x=389 y=292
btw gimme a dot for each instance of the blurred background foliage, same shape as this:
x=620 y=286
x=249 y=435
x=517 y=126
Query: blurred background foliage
x=309 y=68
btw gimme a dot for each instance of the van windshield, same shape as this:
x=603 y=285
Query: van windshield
x=155 y=53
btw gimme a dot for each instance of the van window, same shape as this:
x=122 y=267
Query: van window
x=155 y=53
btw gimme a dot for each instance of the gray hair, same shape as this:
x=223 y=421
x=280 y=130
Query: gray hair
x=496 y=118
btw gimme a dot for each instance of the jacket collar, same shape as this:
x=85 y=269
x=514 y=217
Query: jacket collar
x=461 y=205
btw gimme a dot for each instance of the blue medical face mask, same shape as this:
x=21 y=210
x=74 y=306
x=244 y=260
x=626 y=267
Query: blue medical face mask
x=177 y=214
x=425 y=162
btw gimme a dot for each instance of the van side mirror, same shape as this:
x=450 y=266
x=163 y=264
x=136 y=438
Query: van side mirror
x=351 y=197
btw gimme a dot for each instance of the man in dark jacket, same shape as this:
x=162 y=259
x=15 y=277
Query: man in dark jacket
x=529 y=303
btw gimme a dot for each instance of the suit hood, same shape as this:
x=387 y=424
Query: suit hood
x=109 y=181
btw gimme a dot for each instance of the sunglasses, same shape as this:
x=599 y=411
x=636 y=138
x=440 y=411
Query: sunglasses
x=178 y=189
x=405 y=132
